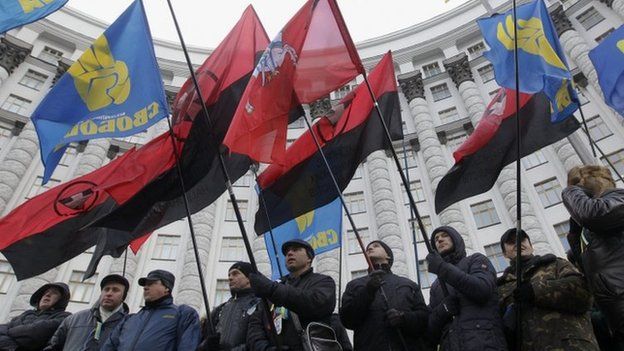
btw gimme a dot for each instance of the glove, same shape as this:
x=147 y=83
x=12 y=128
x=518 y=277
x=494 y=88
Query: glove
x=375 y=281
x=434 y=262
x=450 y=304
x=395 y=317
x=524 y=293
x=210 y=343
x=261 y=285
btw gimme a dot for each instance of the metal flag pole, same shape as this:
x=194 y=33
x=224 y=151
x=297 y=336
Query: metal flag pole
x=586 y=129
x=351 y=222
x=123 y=271
x=518 y=182
x=340 y=270
x=412 y=224
x=254 y=168
x=225 y=174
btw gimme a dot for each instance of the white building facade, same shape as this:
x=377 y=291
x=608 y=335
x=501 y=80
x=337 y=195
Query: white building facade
x=445 y=85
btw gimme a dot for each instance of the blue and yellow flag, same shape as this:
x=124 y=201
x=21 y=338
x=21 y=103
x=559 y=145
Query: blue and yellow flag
x=113 y=90
x=608 y=59
x=541 y=63
x=15 y=13
x=320 y=227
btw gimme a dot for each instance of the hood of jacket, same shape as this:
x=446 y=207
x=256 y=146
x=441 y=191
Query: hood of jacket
x=459 y=248
x=61 y=304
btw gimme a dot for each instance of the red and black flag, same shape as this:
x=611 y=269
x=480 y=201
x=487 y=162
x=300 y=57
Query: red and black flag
x=310 y=57
x=492 y=146
x=50 y=228
x=303 y=183
x=222 y=79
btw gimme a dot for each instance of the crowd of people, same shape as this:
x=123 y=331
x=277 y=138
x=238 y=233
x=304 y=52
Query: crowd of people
x=565 y=304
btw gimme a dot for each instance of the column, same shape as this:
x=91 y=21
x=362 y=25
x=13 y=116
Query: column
x=11 y=56
x=460 y=72
x=16 y=163
x=435 y=161
x=616 y=5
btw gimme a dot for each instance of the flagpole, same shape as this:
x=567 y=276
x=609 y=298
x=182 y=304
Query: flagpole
x=518 y=182
x=266 y=213
x=226 y=176
x=586 y=129
x=123 y=271
x=412 y=225
x=340 y=270
x=350 y=218
x=202 y=281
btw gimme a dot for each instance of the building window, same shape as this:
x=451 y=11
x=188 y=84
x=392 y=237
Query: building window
x=355 y=202
x=426 y=278
x=533 y=160
x=5 y=136
x=230 y=215
x=359 y=273
x=232 y=250
x=598 y=129
x=431 y=69
x=448 y=115
x=562 y=230
x=244 y=181
x=6 y=276
x=617 y=158
x=485 y=214
x=33 y=79
x=549 y=192
x=604 y=35
x=495 y=254
x=16 y=104
x=486 y=73
x=407 y=156
x=222 y=291
x=426 y=222
x=69 y=156
x=417 y=192
x=354 y=245
x=440 y=92
x=493 y=92
x=358 y=173
x=81 y=291
x=166 y=247
x=454 y=140
x=300 y=123
x=38 y=188
x=476 y=50
x=50 y=55
x=343 y=91
x=590 y=18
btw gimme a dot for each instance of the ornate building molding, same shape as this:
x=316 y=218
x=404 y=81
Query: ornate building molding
x=458 y=69
x=561 y=21
x=61 y=68
x=412 y=85
x=12 y=55
x=321 y=107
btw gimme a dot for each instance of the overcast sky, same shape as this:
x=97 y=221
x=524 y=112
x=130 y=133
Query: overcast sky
x=205 y=22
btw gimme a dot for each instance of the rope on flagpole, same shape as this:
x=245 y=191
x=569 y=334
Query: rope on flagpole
x=228 y=182
x=351 y=221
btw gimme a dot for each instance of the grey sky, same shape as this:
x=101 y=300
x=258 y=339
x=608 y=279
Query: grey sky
x=205 y=22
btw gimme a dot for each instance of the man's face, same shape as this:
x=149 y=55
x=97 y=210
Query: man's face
x=297 y=258
x=49 y=299
x=377 y=253
x=443 y=242
x=510 y=248
x=238 y=280
x=112 y=296
x=154 y=290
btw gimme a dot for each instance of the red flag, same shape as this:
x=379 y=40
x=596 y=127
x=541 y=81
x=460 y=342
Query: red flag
x=136 y=244
x=310 y=57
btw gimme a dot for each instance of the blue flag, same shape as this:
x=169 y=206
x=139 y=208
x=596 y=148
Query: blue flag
x=541 y=62
x=113 y=90
x=15 y=13
x=608 y=59
x=320 y=227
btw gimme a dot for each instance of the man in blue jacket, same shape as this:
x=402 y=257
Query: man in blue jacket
x=160 y=325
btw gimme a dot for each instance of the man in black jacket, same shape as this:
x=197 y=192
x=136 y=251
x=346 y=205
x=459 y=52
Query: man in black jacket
x=377 y=318
x=32 y=329
x=231 y=318
x=597 y=238
x=311 y=296
x=467 y=319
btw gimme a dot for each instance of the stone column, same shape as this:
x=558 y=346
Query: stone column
x=616 y=5
x=16 y=163
x=11 y=56
x=189 y=290
x=461 y=74
x=435 y=161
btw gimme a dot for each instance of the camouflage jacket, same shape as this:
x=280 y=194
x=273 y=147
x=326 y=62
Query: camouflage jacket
x=558 y=318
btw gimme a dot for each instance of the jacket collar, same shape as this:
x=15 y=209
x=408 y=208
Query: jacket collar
x=291 y=279
x=529 y=266
x=238 y=293
x=163 y=301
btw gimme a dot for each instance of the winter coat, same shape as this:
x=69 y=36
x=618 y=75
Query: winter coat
x=558 y=318
x=160 y=325
x=602 y=258
x=365 y=313
x=472 y=281
x=80 y=331
x=232 y=317
x=311 y=296
x=341 y=333
x=32 y=329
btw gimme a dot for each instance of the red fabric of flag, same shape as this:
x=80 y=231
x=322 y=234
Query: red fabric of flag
x=310 y=57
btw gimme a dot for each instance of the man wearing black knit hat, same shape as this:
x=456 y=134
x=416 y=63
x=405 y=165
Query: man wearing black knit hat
x=376 y=319
x=231 y=318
